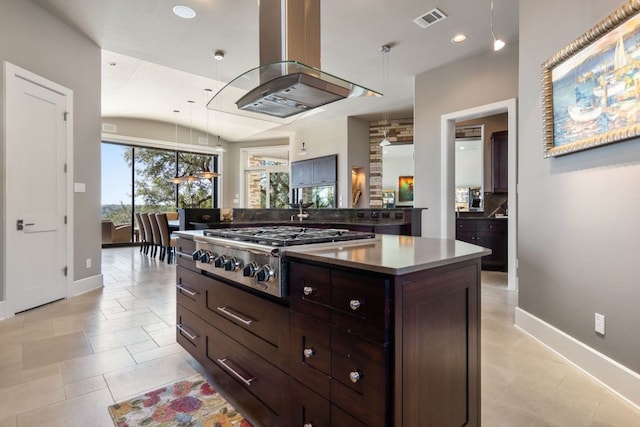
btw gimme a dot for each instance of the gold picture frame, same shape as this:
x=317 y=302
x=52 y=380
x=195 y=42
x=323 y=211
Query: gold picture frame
x=591 y=88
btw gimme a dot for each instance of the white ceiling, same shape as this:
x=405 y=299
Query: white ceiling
x=162 y=61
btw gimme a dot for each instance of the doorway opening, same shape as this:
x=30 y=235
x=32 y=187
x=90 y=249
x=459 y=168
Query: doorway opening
x=447 y=203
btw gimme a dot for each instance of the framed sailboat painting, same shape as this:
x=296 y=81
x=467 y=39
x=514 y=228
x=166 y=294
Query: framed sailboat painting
x=591 y=88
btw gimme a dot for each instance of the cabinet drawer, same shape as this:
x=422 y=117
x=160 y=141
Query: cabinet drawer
x=189 y=289
x=340 y=418
x=497 y=226
x=189 y=332
x=184 y=249
x=310 y=290
x=256 y=322
x=361 y=304
x=308 y=408
x=311 y=353
x=468 y=225
x=263 y=380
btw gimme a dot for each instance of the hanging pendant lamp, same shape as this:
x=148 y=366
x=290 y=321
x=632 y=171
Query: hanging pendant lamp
x=207 y=173
x=176 y=179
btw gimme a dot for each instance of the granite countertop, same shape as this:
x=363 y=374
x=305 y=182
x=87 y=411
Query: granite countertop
x=387 y=254
x=391 y=254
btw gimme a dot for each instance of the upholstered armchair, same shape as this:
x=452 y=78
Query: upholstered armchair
x=112 y=233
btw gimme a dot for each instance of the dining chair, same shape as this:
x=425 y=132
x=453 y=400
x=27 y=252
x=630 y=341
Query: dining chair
x=155 y=232
x=167 y=244
x=146 y=224
x=143 y=235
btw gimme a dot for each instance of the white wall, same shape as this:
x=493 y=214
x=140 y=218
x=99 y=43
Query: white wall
x=36 y=41
x=448 y=89
x=578 y=214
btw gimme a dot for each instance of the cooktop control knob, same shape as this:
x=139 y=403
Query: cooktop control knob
x=234 y=264
x=206 y=256
x=250 y=269
x=221 y=261
x=266 y=274
x=196 y=255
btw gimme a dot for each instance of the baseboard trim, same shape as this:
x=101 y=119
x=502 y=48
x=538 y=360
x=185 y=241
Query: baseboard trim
x=3 y=313
x=616 y=377
x=85 y=285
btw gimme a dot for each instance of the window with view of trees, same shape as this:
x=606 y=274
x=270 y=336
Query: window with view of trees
x=139 y=177
x=267 y=178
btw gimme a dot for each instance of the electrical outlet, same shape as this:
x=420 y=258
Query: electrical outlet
x=600 y=323
x=88 y=262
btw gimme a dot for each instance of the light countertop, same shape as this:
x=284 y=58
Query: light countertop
x=390 y=254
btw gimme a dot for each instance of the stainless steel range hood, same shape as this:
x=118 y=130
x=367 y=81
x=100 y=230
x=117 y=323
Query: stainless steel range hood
x=290 y=81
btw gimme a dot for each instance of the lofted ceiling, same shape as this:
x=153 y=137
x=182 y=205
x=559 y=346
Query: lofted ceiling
x=154 y=62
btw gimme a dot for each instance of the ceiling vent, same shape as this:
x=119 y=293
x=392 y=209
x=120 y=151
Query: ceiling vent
x=430 y=18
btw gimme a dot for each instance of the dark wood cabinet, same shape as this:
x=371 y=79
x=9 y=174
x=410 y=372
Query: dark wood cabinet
x=489 y=233
x=314 y=172
x=425 y=370
x=500 y=161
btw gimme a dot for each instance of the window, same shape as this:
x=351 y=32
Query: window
x=139 y=177
x=266 y=177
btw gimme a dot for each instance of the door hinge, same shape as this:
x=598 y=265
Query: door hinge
x=66 y=115
x=64 y=270
x=65 y=168
x=65 y=219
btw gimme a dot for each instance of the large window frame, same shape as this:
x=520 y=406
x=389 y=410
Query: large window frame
x=135 y=145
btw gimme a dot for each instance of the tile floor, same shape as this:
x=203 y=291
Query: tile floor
x=62 y=364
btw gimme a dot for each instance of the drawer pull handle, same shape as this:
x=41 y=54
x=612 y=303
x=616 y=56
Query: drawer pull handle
x=308 y=352
x=355 y=376
x=307 y=425
x=224 y=364
x=307 y=290
x=187 y=290
x=226 y=311
x=354 y=304
x=189 y=335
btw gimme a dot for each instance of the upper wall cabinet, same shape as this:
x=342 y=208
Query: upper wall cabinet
x=318 y=171
x=500 y=153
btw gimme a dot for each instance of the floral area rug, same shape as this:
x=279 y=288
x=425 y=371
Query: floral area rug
x=189 y=403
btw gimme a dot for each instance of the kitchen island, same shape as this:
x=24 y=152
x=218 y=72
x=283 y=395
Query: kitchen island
x=384 y=332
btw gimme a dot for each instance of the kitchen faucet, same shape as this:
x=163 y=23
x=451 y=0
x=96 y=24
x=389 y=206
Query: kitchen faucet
x=302 y=214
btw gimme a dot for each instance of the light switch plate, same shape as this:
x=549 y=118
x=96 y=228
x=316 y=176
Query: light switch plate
x=599 y=323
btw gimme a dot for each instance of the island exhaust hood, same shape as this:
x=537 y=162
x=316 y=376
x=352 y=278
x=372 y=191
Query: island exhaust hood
x=289 y=81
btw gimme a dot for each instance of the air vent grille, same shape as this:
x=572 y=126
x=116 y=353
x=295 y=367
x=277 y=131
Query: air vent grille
x=108 y=127
x=430 y=18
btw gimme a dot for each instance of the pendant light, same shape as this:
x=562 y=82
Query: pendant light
x=219 y=56
x=385 y=71
x=206 y=172
x=190 y=177
x=303 y=151
x=176 y=179
x=497 y=43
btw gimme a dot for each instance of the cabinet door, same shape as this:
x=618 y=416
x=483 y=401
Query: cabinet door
x=301 y=173
x=492 y=234
x=324 y=170
x=500 y=148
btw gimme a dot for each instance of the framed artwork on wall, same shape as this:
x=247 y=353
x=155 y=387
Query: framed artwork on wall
x=405 y=189
x=591 y=88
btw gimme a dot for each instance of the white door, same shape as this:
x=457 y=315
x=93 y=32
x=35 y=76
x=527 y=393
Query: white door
x=35 y=190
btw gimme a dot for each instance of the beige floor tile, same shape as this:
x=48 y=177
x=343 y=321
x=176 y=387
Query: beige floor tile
x=121 y=323
x=131 y=381
x=95 y=364
x=614 y=411
x=121 y=338
x=10 y=353
x=142 y=346
x=31 y=395
x=156 y=353
x=9 y=422
x=83 y=411
x=164 y=336
x=84 y=386
x=155 y=326
x=496 y=414
x=54 y=349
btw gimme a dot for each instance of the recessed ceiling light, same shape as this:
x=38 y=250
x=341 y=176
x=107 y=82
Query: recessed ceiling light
x=219 y=55
x=184 y=12
x=459 y=38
